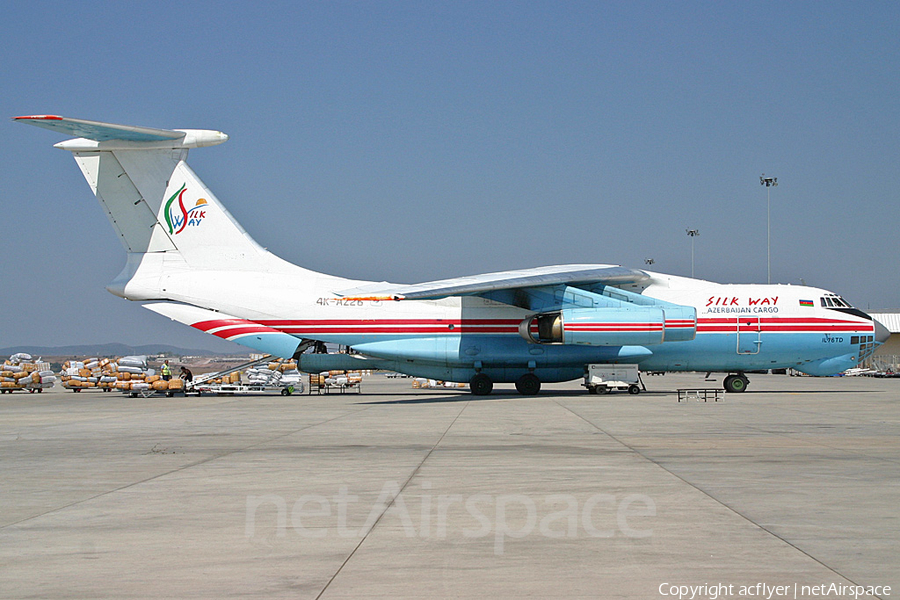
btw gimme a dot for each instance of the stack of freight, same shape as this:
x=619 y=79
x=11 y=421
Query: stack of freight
x=278 y=373
x=18 y=372
x=422 y=383
x=90 y=373
x=126 y=374
x=231 y=378
x=338 y=379
x=133 y=375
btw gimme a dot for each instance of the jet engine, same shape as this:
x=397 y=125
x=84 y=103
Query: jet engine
x=638 y=326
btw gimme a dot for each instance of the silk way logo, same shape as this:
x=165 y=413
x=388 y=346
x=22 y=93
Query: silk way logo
x=178 y=217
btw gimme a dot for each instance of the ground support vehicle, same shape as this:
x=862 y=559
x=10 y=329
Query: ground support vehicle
x=604 y=378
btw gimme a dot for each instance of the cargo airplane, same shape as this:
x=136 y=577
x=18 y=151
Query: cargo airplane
x=189 y=260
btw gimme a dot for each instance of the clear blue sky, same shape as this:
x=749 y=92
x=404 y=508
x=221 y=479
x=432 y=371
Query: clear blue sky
x=411 y=141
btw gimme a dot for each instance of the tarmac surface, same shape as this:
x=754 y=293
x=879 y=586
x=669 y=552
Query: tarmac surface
x=398 y=492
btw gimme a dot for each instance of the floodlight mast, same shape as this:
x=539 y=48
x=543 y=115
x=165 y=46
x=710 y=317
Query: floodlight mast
x=692 y=233
x=769 y=182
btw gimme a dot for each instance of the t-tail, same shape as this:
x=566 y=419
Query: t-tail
x=184 y=250
x=171 y=225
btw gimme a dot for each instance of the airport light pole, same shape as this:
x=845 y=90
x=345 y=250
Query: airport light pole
x=769 y=182
x=692 y=233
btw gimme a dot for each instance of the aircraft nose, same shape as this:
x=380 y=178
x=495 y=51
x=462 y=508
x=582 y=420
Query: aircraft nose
x=881 y=332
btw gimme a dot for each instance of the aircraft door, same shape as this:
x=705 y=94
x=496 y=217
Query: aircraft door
x=749 y=334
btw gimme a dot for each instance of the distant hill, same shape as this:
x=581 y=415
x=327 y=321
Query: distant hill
x=107 y=350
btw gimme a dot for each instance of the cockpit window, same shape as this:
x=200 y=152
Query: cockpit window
x=834 y=302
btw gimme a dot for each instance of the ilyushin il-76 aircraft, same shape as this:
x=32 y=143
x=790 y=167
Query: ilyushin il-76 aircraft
x=189 y=260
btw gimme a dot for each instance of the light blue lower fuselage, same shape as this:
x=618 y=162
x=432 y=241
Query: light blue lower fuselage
x=507 y=357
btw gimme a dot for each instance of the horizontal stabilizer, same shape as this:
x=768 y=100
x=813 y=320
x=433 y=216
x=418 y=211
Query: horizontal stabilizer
x=100 y=132
x=108 y=134
x=504 y=280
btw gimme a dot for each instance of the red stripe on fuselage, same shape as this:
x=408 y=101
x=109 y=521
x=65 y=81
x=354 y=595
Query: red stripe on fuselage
x=234 y=332
x=350 y=322
x=781 y=325
x=207 y=325
x=233 y=327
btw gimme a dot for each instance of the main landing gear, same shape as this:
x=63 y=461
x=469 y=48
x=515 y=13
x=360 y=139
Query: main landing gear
x=736 y=383
x=481 y=384
x=527 y=385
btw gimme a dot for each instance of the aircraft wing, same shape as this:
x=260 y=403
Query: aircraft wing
x=493 y=282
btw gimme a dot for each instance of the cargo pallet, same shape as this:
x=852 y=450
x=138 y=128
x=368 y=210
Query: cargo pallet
x=319 y=384
x=240 y=389
x=151 y=392
x=31 y=388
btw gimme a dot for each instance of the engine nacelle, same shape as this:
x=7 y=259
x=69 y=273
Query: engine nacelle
x=681 y=323
x=639 y=326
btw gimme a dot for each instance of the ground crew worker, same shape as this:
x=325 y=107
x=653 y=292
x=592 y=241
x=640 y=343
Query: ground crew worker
x=166 y=371
x=186 y=374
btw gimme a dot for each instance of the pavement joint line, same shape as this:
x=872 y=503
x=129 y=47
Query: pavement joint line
x=181 y=468
x=799 y=436
x=708 y=495
x=391 y=503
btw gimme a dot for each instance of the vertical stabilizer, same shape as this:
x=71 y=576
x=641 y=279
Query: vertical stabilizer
x=170 y=223
x=201 y=228
x=152 y=198
x=129 y=186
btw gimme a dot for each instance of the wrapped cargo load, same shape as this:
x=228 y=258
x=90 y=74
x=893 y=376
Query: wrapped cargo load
x=262 y=374
x=21 y=372
x=133 y=361
x=103 y=373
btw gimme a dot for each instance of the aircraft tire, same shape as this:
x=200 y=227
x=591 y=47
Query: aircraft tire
x=735 y=384
x=481 y=384
x=528 y=384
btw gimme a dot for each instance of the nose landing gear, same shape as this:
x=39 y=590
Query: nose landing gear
x=736 y=383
